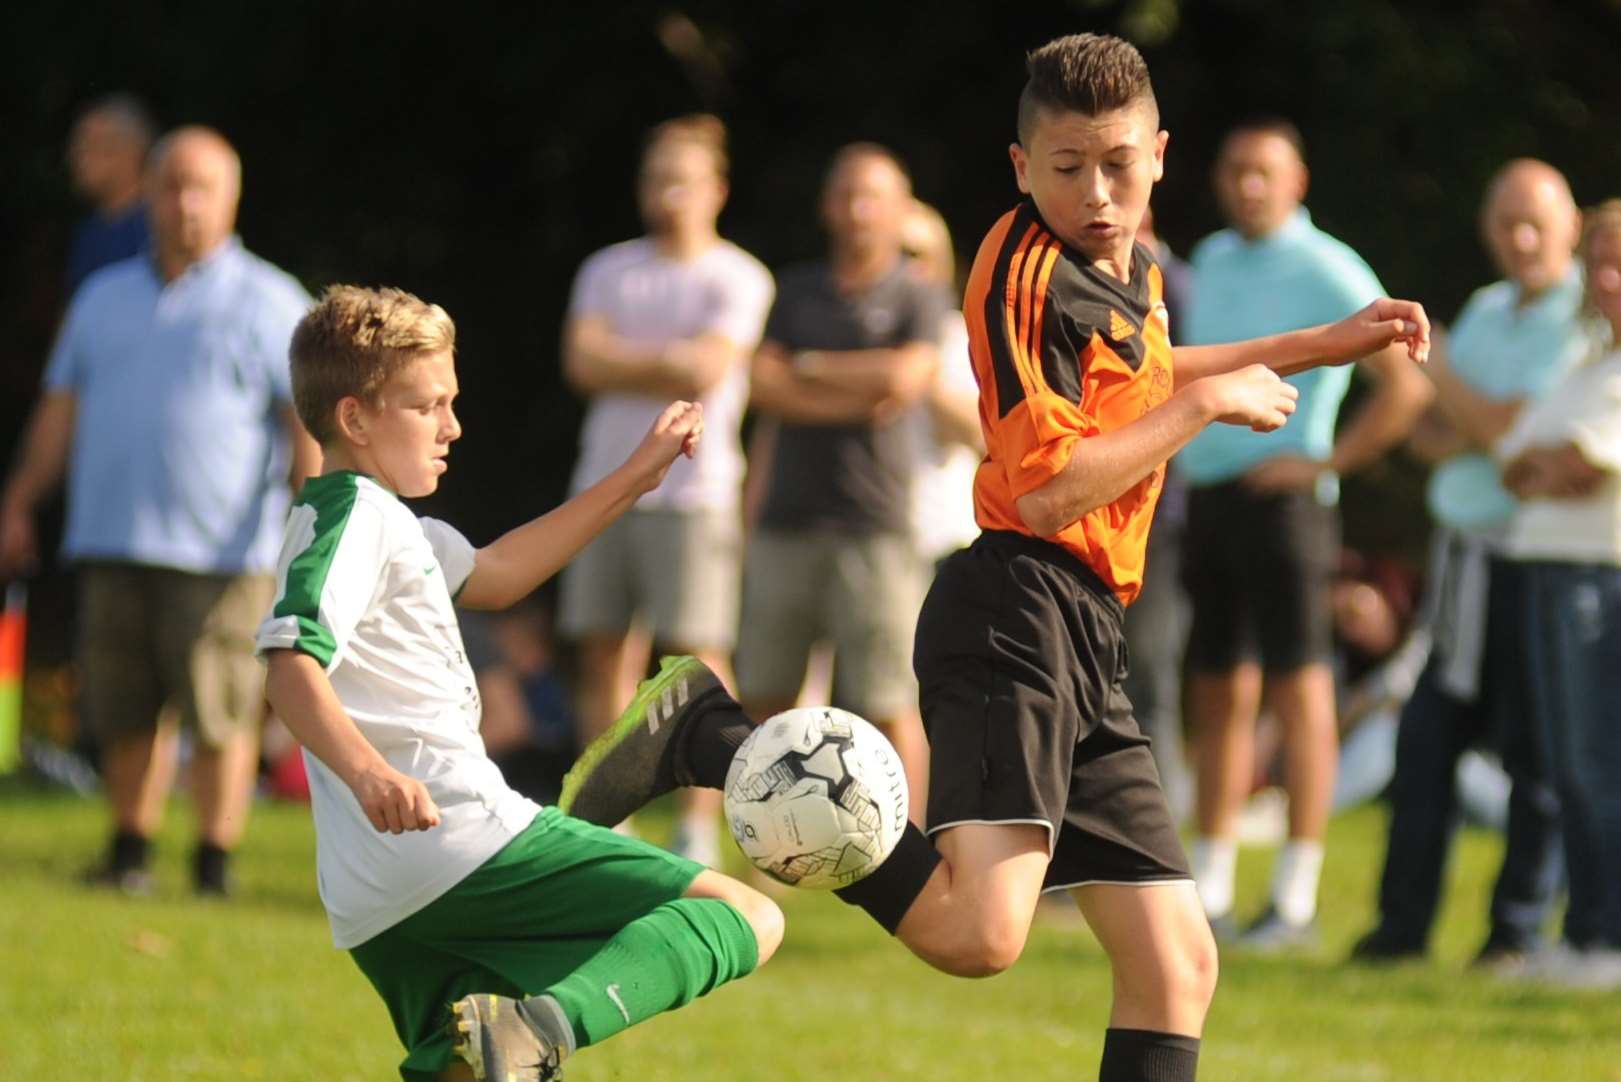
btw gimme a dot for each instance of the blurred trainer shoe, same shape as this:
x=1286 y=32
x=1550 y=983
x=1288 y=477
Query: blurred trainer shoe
x=636 y=760
x=1379 y=945
x=1271 y=934
x=1502 y=959
x=1592 y=968
x=130 y=882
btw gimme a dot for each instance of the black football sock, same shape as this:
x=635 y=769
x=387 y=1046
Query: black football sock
x=1144 y=1055
x=890 y=889
x=131 y=852
x=709 y=740
x=209 y=866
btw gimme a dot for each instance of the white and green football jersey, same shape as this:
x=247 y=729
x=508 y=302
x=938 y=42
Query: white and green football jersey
x=365 y=587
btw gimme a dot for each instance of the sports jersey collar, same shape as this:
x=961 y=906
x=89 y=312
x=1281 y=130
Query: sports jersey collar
x=1297 y=225
x=1139 y=265
x=1557 y=294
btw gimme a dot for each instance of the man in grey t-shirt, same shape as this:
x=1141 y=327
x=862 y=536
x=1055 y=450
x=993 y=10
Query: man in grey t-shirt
x=850 y=343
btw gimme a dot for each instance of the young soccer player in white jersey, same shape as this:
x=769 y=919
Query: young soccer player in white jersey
x=497 y=931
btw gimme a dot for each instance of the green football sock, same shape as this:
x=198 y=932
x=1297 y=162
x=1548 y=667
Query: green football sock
x=678 y=952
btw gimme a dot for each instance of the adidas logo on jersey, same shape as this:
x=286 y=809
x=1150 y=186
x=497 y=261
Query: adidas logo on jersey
x=1120 y=328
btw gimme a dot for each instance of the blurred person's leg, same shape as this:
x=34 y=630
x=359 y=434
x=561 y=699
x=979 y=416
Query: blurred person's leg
x=1300 y=550
x=1156 y=631
x=1435 y=729
x=1574 y=639
x=871 y=605
x=785 y=574
x=597 y=610
x=691 y=565
x=121 y=699
x=1533 y=865
x=217 y=684
x=1223 y=682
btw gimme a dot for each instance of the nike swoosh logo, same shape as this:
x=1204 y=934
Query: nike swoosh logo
x=613 y=994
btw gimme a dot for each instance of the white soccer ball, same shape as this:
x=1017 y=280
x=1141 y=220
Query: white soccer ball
x=816 y=797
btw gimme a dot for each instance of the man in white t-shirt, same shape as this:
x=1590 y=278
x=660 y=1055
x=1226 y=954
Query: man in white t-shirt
x=446 y=885
x=670 y=314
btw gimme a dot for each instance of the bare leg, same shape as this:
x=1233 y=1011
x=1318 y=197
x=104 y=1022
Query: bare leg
x=139 y=769
x=974 y=914
x=222 y=786
x=1224 y=706
x=1160 y=950
x=1304 y=701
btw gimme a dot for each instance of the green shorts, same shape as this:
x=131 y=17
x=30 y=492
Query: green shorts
x=528 y=917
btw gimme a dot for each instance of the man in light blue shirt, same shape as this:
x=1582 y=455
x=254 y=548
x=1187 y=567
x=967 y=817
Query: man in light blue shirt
x=167 y=403
x=1513 y=341
x=1263 y=531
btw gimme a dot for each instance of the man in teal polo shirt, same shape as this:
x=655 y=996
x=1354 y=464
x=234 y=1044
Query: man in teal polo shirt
x=1263 y=527
x=167 y=403
x=1513 y=341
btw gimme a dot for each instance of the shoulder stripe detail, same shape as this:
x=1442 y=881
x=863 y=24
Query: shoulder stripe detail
x=307 y=573
x=1049 y=259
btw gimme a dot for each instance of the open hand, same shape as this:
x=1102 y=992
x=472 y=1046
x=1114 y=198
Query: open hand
x=394 y=802
x=1378 y=325
x=1254 y=396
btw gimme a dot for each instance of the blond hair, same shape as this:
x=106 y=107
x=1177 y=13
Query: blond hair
x=701 y=129
x=352 y=342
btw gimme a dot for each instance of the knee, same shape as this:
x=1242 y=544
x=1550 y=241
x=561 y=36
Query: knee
x=986 y=949
x=765 y=918
x=1181 y=983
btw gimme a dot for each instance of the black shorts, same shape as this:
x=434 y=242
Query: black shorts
x=1019 y=659
x=1258 y=568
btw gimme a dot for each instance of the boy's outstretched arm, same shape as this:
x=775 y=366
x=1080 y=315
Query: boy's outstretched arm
x=1380 y=324
x=303 y=698
x=1102 y=468
x=512 y=565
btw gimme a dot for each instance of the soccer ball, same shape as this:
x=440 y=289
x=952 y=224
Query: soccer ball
x=816 y=797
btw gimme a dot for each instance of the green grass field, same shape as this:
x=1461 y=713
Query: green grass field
x=104 y=988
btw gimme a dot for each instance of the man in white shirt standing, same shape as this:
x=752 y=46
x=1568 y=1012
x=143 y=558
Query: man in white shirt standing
x=668 y=315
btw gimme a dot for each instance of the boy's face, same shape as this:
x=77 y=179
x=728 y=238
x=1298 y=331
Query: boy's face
x=1091 y=176
x=679 y=189
x=404 y=436
x=1260 y=180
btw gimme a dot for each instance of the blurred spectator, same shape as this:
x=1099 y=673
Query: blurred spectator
x=1263 y=526
x=107 y=155
x=1512 y=341
x=1563 y=460
x=850 y=346
x=1157 y=622
x=672 y=314
x=946 y=442
x=168 y=393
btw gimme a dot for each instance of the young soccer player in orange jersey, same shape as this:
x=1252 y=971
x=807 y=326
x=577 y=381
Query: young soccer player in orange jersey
x=1039 y=778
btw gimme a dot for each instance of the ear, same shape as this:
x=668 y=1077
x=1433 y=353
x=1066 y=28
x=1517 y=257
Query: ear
x=351 y=420
x=1305 y=182
x=1021 y=166
x=1160 y=142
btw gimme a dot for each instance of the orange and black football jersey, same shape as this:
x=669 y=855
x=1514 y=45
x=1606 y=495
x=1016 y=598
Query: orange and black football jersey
x=1063 y=351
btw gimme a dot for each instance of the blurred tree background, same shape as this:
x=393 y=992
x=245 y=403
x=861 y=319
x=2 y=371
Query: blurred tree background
x=475 y=153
